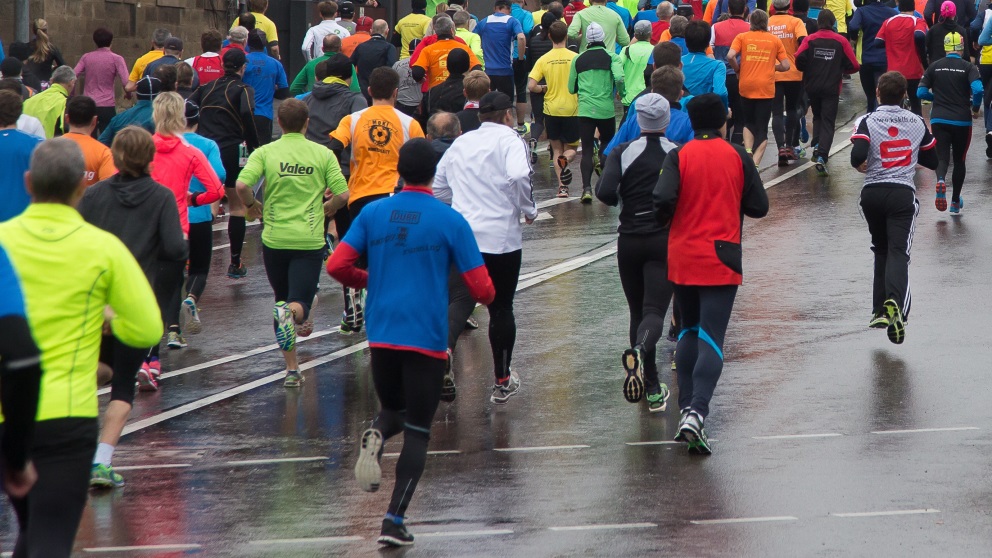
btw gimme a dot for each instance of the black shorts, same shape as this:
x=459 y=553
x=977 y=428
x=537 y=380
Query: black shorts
x=293 y=274
x=264 y=126
x=757 y=114
x=520 y=75
x=562 y=128
x=230 y=157
x=503 y=84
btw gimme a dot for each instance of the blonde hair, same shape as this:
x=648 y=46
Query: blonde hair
x=43 y=47
x=169 y=114
x=133 y=150
x=476 y=84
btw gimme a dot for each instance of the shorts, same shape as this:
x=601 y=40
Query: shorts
x=231 y=159
x=562 y=128
x=756 y=115
x=503 y=84
x=520 y=76
x=293 y=274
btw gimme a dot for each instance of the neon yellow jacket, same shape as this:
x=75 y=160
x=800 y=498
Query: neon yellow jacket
x=48 y=106
x=70 y=271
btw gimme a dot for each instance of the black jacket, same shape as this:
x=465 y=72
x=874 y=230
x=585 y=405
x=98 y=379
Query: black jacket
x=227 y=108
x=328 y=104
x=469 y=119
x=630 y=175
x=447 y=96
x=823 y=57
x=373 y=53
x=935 y=41
x=142 y=214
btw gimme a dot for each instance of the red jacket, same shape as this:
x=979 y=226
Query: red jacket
x=705 y=188
x=571 y=9
x=176 y=163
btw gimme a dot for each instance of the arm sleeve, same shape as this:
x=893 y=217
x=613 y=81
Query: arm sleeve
x=754 y=198
x=802 y=57
x=609 y=183
x=333 y=179
x=121 y=70
x=307 y=45
x=138 y=320
x=442 y=190
x=298 y=87
x=575 y=27
x=928 y=155
x=172 y=245
x=720 y=83
x=851 y=57
x=623 y=37
x=247 y=110
x=573 y=85
x=341 y=266
x=80 y=68
x=666 y=191
x=206 y=175
x=480 y=286
x=861 y=141
x=519 y=173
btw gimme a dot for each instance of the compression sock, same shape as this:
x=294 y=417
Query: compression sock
x=236 y=234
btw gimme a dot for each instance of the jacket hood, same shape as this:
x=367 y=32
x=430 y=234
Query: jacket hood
x=166 y=144
x=324 y=91
x=132 y=192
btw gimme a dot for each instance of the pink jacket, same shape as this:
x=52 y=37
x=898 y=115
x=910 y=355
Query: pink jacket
x=176 y=163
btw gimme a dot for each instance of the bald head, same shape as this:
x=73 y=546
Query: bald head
x=380 y=27
x=332 y=43
x=443 y=125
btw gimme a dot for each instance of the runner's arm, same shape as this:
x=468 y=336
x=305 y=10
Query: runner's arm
x=341 y=265
x=206 y=175
x=666 y=191
x=137 y=320
x=928 y=155
x=754 y=198
x=468 y=260
x=609 y=183
x=173 y=246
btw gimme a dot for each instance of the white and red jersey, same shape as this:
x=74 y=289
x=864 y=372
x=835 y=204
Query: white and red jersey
x=895 y=137
x=208 y=66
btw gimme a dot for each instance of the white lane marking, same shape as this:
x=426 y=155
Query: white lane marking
x=921 y=430
x=797 y=436
x=604 y=527
x=655 y=443
x=313 y=540
x=276 y=460
x=162 y=466
x=566 y=266
x=885 y=513
x=477 y=533
x=553 y=202
x=744 y=520
x=843 y=144
x=540 y=217
x=221 y=246
x=436 y=452
x=542 y=448
x=143 y=548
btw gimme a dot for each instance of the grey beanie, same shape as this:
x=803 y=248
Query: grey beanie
x=653 y=113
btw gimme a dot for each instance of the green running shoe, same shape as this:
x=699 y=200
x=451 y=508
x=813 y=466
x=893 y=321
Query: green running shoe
x=879 y=320
x=658 y=401
x=285 y=328
x=293 y=379
x=104 y=476
x=692 y=431
x=897 y=326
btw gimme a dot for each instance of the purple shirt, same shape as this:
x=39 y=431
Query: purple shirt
x=100 y=67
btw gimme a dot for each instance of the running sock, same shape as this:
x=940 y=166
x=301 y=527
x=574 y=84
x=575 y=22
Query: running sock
x=409 y=468
x=104 y=454
x=236 y=234
x=394 y=518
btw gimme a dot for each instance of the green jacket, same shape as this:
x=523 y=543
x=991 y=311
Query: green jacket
x=607 y=19
x=303 y=82
x=593 y=76
x=48 y=106
x=634 y=59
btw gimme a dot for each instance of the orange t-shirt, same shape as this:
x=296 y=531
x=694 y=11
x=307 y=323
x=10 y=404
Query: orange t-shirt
x=760 y=51
x=434 y=60
x=789 y=30
x=375 y=135
x=350 y=43
x=99 y=160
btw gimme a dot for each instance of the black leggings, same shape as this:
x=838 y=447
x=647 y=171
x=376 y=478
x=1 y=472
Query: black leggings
x=869 y=82
x=587 y=133
x=236 y=226
x=537 y=113
x=699 y=353
x=125 y=362
x=756 y=114
x=735 y=127
x=915 y=104
x=49 y=516
x=201 y=250
x=169 y=292
x=787 y=112
x=504 y=270
x=952 y=140
x=293 y=274
x=409 y=388
x=643 y=263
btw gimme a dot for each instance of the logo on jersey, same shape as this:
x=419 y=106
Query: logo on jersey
x=896 y=153
x=380 y=133
x=405 y=217
x=293 y=169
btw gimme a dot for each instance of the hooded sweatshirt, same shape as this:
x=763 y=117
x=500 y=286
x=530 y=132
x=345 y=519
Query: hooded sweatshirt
x=176 y=163
x=141 y=213
x=935 y=40
x=331 y=101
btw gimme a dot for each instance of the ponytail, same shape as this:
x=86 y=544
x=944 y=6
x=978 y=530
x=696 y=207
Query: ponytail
x=43 y=47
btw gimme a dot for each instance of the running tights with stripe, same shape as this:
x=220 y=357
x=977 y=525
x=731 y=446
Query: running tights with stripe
x=699 y=353
x=890 y=211
x=409 y=388
x=952 y=140
x=643 y=263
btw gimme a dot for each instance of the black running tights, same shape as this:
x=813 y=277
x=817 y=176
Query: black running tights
x=643 y=263
x=952 y=141
x=201 y=251
x=168 y=291
x=699 y=353
x=787 y=112
x=587 y=133
x=409 y=388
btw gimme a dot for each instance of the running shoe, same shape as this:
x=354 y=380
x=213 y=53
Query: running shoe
x=821 y=167
x=368 y=473
x=988 y=145
x=957 y=206
x=532 y=142
x=522 y=130
x=691 y=428
x=564 y=173
x=285 y=328
x=237 y=272
x=799 y=152
x=191 y=317
x=104 y=476
x=471 y=323
x=394 y=534
x=563 y=191
x=658 y=398
x=155 y=366
x=879 y=320
x=293 y=379
x=448 y=384
x=941 y=200
x=784 y=156
x=633 y=385
x=503 y=393
x=680 y=437
x=176 y=340
x=353 y=317
x=897 y=326
x=146 y=380
x=306 y=328
x=586 y=197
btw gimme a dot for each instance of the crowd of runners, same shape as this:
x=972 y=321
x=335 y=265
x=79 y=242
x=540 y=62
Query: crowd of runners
x=408 y=152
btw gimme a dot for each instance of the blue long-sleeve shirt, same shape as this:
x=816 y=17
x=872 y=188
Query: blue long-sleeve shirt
x=679 y=128
x=985 y=38
x=722 y=7
x=705 y=75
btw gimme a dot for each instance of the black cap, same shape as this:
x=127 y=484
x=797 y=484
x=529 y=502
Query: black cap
x=346 y=9
x=11 y=67
x=706 y=112
x=458 y=61
x=418 y=162
x=418 y=4
x=192 y=113
x=174 y=43
x=339 y=66
x=413 y=45
x=234 y=59
x=148 y=88
x=494 y=101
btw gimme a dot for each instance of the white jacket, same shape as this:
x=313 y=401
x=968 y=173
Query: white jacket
x=313 y=42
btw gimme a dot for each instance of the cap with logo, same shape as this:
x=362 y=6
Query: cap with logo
x=363 y=23
x=953 y=42
x=234 y=58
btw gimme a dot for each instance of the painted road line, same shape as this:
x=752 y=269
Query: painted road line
x=727 y=521
x=277 y=460
x=922 y=430
x=161 y=466
x=312 y=540
x=540 y=217
x=662 y=443
x=144 y=548
x=809 y=164
x=221 y=246
x=476 y=533
x=554 y=201
x=798 y=436
x=437 y=452
x=541 y=448
x=886 y=513
x=604 y=527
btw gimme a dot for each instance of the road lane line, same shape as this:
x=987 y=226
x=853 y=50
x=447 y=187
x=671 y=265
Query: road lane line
x=604 y=527
x=161 y=466
x=885 y=513
x=476 y=533
x=541 y=448
x=922 y=430
x=312 y=540
x=797 y=436
x=744 y=520
x=436 y=452
x=277 y=460
x=662 y=443
x=143 y=548
x=809 y=164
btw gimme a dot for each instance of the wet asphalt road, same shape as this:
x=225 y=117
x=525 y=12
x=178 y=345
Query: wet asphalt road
x=816 y=417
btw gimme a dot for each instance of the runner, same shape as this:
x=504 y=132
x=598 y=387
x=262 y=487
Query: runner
x=410 y=27
x=208 y=65
x=314 y=39
x=888 y=198
x=372 y=54
x=722 y=37
x=593 y=76
x=629 y=178
x=561 y=107
x=503 y=37
x=76 y=271
x=267 y=78
x=610 y=23
x=635 y=58
x=824 y=58
x=263 y=24
x=904 y=37
x=762 y=54
x=16 y=148
x=788 y=104
x=705 y=189
x=485 y=175
x=407 y=321
x=159 y=36
x=81 y=113
x=867 y=20
x=539 y=43
x=944 y=25
x=143 y=215
x=703 y=74
x=297 y=174
x=476 y=84
x=955 y=83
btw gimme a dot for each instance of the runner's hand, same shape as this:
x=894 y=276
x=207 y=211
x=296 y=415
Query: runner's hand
x=254 y=212
x=863 y=168
x=529 y=220
x=17 y=484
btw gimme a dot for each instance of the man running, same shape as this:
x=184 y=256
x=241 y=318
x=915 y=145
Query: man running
x=413 y=236
x=952 y=83
x=81 y=113
x=888 y=144
x=705 y=189
x=561 y=107
x=904 y=37
x=614 y=31
x=722 y=37
x=788 y=103
x=485 y=176
x=267 y=78
x=297 y=174
x=314 y=39
x=16 y=148
x=502 y=36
